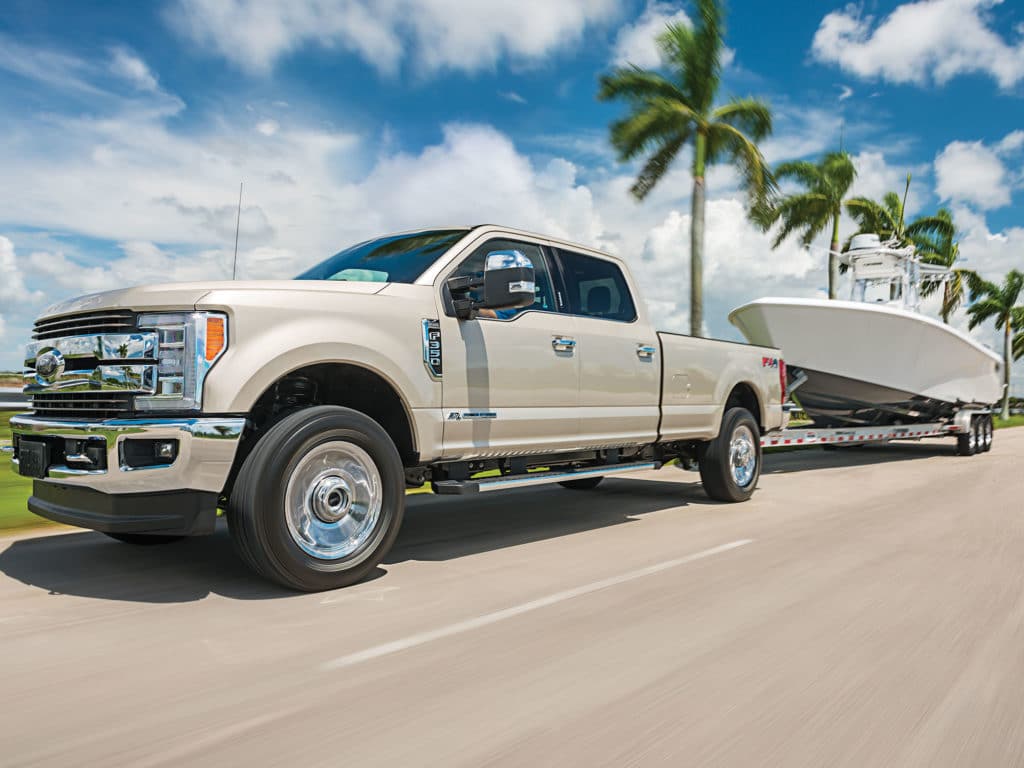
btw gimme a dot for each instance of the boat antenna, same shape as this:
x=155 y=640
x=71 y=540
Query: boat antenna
x=238 y=221
x=903 y=205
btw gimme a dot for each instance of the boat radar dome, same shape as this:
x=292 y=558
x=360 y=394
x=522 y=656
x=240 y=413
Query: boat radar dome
x=865 y=243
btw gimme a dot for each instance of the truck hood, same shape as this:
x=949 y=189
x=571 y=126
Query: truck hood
x=177 y=296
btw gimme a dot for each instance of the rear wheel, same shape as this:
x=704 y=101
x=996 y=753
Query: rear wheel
x=319 y=501
x=989 y=433
x=731 y=463
x=583 y=484
x=144 y=539
x=967 y=444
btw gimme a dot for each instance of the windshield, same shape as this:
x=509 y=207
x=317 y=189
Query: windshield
x=392 y=259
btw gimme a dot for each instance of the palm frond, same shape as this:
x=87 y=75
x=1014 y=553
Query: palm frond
x=804 y=171
x=637 y=86
x=840 y=171
x=656 y=166
x=644 y=129
x=979 y=287
x=983 y=309
x=757 y=179
x=694 y=54
x=751 y=116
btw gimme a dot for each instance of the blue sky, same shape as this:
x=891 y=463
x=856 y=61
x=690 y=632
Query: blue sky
x=129 y=126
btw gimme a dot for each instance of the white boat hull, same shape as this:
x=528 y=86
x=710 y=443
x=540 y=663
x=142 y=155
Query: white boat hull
x=874 y=353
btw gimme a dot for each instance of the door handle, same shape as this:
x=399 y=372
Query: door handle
x=562 y=344
x=645 y=351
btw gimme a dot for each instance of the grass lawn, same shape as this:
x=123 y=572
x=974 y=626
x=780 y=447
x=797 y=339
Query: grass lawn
x=1013 y=421
x=14 y=490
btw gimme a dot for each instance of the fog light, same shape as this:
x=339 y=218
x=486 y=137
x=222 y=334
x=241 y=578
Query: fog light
x=136 y=453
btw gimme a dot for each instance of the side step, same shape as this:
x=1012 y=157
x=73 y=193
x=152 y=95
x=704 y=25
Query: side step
x=484 y=484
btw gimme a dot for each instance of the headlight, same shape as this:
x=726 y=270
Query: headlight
x=189 y=343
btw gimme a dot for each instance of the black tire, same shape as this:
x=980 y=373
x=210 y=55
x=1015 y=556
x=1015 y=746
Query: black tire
x=715 y=460
x=256 y=510
x=988 y=433
x=144 y=539
x=967 y=444
x=583 y=484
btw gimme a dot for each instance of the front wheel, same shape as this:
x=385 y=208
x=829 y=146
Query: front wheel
x=731 y=463
x=319 y=501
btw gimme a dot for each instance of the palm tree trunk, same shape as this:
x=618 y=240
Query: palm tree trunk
x=1007 y=362
x=945 y=301
x=697 y=238
x=833 y=260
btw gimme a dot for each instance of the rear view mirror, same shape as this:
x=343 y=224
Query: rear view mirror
x=508 y=280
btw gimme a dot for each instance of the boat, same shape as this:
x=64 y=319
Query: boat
x=875 y=359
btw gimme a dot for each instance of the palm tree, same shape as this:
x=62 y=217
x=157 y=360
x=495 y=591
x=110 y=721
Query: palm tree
x=1000 y=302
x=667 y=112
x=944 y=250
x=887 y=219
x=816 y=207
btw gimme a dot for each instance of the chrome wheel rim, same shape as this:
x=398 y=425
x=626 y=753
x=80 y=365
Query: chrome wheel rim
x=742 y=456
x=333 y=500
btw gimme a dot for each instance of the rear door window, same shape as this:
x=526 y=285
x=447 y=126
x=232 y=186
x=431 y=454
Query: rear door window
x=596 y=288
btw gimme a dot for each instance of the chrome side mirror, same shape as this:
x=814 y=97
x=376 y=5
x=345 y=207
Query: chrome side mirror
x=509 y=280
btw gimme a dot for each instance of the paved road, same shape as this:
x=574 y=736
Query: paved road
x=865 y=609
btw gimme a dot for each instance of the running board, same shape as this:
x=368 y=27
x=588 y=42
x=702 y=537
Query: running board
x=484 y=484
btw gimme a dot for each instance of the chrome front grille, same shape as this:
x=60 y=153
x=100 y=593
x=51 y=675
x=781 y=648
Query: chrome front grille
x=82 y=404
x=90 y=365
x=84 y=324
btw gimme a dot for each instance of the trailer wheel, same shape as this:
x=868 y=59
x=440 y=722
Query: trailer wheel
x=583 y=484
x=319 y=501
x=967 y=443
x=731 y=463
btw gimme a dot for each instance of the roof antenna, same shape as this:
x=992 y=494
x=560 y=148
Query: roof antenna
x=238 y=221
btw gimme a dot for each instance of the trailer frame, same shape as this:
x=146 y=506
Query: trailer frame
x=972 y=428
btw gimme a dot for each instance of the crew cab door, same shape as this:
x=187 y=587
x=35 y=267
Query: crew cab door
x=619 y=353
x=510 y=381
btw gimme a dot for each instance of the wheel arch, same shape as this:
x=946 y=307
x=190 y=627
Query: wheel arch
x=745 y=395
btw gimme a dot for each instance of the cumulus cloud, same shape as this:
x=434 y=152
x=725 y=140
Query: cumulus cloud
x=13 y=289
x=975 y=173
x=637 y=44
x=920 y=42
x=255 y=34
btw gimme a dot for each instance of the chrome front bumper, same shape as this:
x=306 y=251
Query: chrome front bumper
x=205 y=453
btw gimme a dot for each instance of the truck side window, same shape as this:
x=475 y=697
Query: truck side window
x=596 y=288
x=474 y=266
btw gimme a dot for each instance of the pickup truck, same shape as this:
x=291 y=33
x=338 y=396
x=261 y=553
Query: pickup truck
x=474 y=359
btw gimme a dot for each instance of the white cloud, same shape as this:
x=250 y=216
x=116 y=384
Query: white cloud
x=975 y=173
x=12 y=279
x=919 y=42
x=255 y=34
x=127 y=65
x=512 y=96
x=637 y=43
x=268 y=127
x=845 y=92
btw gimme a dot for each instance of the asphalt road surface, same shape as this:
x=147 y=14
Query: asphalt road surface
x=865 y=609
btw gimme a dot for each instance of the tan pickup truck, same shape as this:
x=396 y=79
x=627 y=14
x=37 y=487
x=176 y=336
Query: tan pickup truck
x=474 y=359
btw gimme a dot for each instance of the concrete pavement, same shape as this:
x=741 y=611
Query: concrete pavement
x=865 y=608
